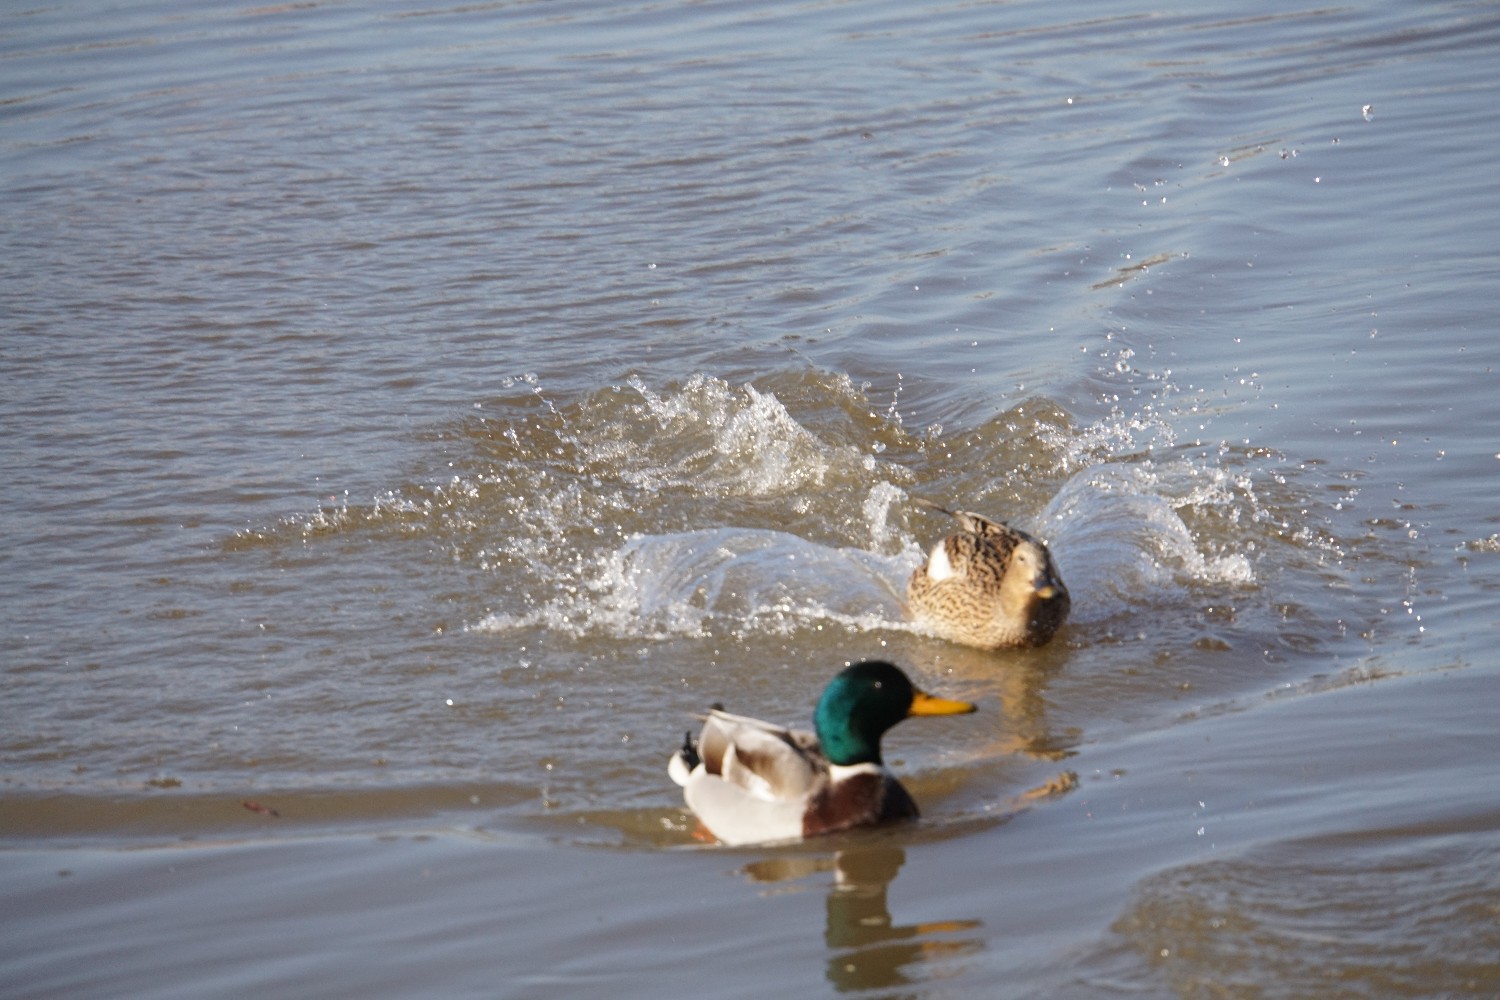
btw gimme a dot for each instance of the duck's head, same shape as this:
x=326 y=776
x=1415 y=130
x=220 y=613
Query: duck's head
x=1031 y=582
x=865 y=700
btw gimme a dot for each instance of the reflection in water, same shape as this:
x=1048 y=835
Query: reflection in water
x=868 y=949
x=1017 y=681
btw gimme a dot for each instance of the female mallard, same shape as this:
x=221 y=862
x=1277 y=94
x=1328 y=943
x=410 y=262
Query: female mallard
x=988 y=585
x=750 y=781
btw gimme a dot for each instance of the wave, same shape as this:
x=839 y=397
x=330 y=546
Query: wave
x=710 y=507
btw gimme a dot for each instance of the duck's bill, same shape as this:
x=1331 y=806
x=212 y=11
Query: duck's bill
x=926 y=704
x=1049 y=586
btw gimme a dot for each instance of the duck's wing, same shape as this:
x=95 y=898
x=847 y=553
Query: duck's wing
x=997 y=533
x=719 y=729
x=965 y=555
x=764 y=759
x=750 y=781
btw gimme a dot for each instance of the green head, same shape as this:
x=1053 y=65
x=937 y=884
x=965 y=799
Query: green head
x=865 y=700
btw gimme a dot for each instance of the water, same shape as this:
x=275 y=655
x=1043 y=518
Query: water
x=413 y=415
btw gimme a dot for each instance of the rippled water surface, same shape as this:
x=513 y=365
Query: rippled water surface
x=414 y=414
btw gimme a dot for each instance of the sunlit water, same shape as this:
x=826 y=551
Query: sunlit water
x=414 y=415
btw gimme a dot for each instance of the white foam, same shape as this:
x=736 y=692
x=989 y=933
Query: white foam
x=1119 y=541
x=723 y=579
x=728 y=441
x=1139 y=520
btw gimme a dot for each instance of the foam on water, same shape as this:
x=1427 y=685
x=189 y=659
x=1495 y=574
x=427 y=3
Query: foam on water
x=630 y=553
x=1123 y=543
x=739 y=580
x=799 y=522
x=731 y=441
x=775 y=520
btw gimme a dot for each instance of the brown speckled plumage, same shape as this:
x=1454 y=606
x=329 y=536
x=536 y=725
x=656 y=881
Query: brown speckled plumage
x=988 y=585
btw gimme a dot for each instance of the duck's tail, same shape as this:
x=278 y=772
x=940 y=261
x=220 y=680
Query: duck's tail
x=683 y=762
x=923 y=502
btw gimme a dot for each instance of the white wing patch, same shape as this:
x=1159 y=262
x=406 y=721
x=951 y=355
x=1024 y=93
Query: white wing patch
x=939 y=568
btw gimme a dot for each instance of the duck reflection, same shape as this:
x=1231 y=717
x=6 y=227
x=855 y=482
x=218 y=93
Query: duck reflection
x=869 y=950
x=1018 y=682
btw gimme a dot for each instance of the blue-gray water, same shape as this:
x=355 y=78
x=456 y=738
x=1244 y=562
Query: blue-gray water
x=413 y=415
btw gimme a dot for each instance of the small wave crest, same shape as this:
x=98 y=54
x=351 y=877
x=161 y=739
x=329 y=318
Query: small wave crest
x=1121 y=542
x=707 y=508
x=732 y=441
x=724 y=579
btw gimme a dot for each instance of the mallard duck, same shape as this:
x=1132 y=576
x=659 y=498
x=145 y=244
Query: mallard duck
x=988 y=585
x=750 y=781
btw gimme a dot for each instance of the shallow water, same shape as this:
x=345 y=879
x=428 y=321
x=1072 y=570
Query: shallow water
x=415 y=414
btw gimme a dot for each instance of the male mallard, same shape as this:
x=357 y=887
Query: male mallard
x=750 y=781
x=988 y=585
